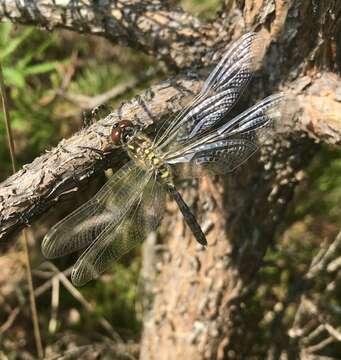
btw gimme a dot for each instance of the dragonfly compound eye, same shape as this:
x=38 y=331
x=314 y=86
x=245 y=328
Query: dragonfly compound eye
x=116 y=134
x=121 y=132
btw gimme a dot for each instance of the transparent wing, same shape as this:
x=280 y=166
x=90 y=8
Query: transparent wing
x=227 y=147
x=219 y=93
x=142 y=218
x=82 y=226
x=225 y=158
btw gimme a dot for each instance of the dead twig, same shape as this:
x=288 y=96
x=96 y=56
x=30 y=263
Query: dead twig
x=89 y=102
x=81 y=299
x=10 y=320
x=310 y=321
x=54 y=305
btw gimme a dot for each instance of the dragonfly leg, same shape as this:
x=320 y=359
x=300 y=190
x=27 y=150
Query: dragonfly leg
x=87 y=119
x=101 y=111
x=97 y=113
x=100 y=152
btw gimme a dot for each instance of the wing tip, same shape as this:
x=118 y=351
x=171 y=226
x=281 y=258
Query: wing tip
x=82 y=274
x=283 y=106
x=46 y=248
x=258 y=49
x=75 y=278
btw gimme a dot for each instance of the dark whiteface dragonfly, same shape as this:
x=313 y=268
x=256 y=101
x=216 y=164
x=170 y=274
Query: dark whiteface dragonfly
x=130 y=205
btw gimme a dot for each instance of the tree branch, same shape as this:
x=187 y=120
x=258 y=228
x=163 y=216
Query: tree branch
x=52 y=176
x=156 y=27
x=320 y=105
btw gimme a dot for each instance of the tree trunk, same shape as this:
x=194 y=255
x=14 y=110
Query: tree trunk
x=199 y=295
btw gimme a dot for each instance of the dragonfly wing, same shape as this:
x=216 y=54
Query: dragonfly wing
x=116 y=240
x=242 y=54
x=219 y=93
x=226 y=148
x=82 y=226
x=220 y=159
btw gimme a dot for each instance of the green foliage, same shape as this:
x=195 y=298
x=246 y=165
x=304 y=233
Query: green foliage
x=27 y=66
x=36 y=67
x=202 y=8
x=321 y=195
x=18 y=72
x=116 y=298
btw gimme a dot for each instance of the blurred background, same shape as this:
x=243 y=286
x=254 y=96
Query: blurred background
x=51 y=79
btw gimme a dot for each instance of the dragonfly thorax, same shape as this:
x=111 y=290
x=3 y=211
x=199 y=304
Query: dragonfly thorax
x=140 y=148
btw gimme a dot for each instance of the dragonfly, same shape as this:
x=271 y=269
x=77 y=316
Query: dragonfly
x=202 y=138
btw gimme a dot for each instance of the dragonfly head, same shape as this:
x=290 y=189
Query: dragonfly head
x=121 y=132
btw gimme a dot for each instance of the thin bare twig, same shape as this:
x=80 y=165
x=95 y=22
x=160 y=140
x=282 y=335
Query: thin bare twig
x=10 y=320
x=80 y=298
x=48 y=284
x=33 y=305
x=7 y=121
x=317 y=326
x=321 y=345
x=54 y=305
x=121 y=351
x=335 y=333
x=89 y=102
x=318 y=266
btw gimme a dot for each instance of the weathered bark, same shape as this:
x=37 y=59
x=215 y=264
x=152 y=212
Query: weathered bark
x=198 y=295
x=157 y=27
x=52 y=176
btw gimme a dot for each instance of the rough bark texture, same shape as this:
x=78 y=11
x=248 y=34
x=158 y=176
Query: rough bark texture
x=198 y=295
x=156 y=27
x=197 y=314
